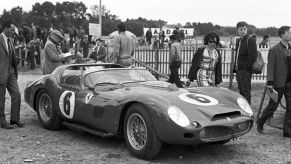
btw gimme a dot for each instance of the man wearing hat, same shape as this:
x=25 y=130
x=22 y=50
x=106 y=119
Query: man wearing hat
x=8 y=77
x=53 y=56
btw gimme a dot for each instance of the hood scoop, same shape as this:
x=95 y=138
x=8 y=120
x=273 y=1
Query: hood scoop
x=226 y=115
x=216 y=113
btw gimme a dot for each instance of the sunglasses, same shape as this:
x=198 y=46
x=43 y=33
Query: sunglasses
x=210 y=41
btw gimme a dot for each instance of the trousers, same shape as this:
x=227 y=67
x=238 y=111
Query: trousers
x=174 y=76
x=12 y=86
x=243 y=78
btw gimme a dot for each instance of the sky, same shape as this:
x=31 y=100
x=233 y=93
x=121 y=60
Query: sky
x=260 y=13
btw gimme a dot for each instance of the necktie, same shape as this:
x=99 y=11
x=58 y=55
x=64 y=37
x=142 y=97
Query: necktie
x=9 y=48
x=11 y=57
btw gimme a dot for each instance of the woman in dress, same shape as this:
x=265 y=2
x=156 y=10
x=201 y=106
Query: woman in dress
x=206 y=63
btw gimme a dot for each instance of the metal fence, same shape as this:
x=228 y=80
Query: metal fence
x=159 y=60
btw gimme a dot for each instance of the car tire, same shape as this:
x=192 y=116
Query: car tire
x=46 y=111
x=139 y=134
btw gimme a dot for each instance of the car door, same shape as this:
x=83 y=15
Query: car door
x=70 y=90
x=99 y=108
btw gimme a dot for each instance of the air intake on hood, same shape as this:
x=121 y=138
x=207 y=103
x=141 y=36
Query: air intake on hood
x=224 y=115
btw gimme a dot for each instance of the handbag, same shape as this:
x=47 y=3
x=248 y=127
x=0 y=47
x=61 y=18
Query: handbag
x=258 y=65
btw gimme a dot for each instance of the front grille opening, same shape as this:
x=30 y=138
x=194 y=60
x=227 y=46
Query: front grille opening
x=215 y=132
x=188 y=135
x=224 y=115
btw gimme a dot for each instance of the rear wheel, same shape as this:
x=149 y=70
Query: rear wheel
x=46 y=111
x=139 y=134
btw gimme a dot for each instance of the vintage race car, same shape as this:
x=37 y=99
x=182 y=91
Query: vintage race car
x=108 y=100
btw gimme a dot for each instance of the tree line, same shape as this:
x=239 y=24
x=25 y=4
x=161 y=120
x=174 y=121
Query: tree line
x=74 y=14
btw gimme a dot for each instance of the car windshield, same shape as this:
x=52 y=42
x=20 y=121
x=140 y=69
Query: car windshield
x=118 y=76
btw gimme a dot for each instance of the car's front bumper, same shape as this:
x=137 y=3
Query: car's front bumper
x=212 y=131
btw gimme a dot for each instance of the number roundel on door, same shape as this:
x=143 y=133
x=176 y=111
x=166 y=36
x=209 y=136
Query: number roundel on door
x=67 y=104
x=198 y=99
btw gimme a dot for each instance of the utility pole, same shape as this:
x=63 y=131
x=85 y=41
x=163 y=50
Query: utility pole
x=100 y=17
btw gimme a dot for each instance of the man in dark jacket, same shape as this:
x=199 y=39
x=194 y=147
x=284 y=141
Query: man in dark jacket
x=177 y=34
x=149 y=36
x=246 y=54
x=279 y=78
x=99 y=52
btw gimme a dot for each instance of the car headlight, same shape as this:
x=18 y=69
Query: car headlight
x=244 y=105
x=178 y=116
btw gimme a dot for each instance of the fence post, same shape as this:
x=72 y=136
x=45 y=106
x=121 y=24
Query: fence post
x=156 y=49
x=231 y=67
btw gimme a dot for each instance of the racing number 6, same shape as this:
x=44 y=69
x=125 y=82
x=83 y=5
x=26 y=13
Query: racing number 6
x=198 y=99
x=67 y=104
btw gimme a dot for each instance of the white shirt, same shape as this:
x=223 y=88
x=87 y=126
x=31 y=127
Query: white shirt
x=98 y=49
x=6 y=40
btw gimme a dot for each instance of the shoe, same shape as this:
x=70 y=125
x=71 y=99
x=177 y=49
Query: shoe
x=4 y=125
x=287 y=135
x=18 y=123
x=260 y=127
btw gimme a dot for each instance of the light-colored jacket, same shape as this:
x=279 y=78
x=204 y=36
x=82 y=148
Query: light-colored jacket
x=175 y=52
x=52 y=57
x=123 y=47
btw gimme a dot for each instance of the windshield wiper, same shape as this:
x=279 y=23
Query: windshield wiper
x=106 y=83
x=126 y=82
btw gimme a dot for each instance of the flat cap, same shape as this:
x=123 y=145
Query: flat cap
x=56 y=33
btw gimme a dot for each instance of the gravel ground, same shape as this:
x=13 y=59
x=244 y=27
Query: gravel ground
x=33 y=144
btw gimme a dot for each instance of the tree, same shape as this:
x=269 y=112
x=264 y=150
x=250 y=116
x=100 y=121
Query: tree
x=15 y=14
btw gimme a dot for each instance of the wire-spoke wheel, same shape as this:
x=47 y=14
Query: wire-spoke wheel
x=139 y=133
x=45 y=107
x=46 y=111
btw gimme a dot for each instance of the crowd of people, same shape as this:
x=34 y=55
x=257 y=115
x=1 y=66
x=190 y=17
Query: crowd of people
x=160 y=40
x=206 y=66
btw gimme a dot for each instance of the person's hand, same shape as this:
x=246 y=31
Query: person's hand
x=271 y=87
x=67 y=55
x=188 y=82
x=72 y=50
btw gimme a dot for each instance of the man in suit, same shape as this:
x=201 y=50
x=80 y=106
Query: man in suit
x=99 y=52
x=8 y=77
x=279 y=78
x=246 y=54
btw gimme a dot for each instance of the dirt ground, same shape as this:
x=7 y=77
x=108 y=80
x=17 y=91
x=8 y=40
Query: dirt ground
x=34 y=144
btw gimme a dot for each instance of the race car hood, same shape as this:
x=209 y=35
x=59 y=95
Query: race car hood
x=208 y=102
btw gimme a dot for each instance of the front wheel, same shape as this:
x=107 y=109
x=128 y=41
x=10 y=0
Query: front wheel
x=46 y=112
x=139 y=133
